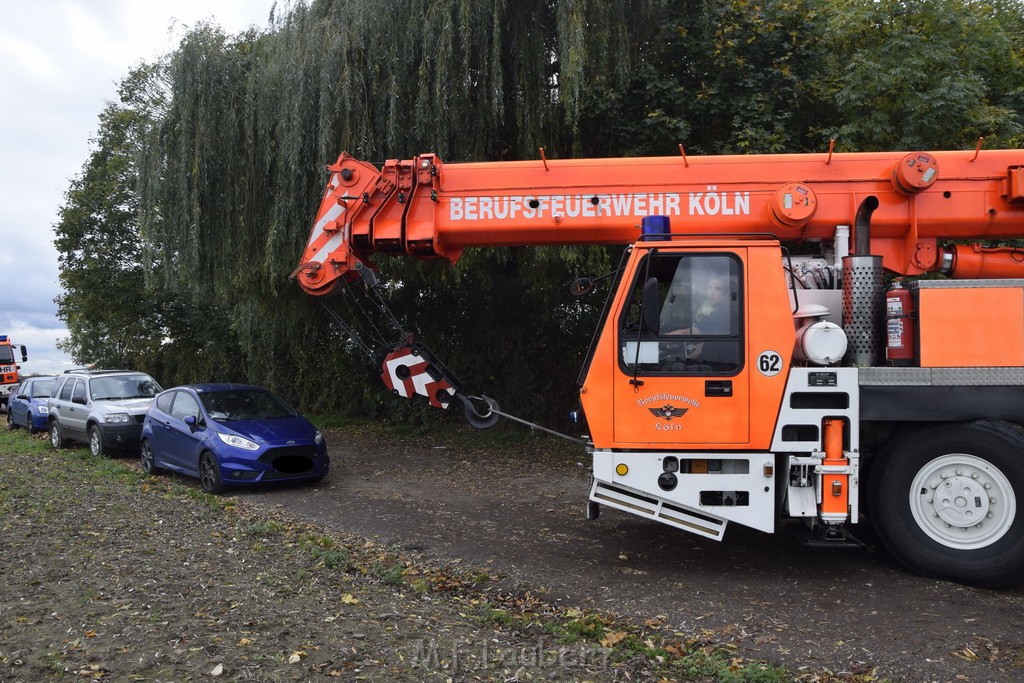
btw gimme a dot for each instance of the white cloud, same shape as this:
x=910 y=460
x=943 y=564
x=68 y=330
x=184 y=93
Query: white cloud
x=60 y=62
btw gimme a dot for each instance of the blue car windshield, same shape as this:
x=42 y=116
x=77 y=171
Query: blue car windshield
x=244 y=404
x=42 y=388
x=123 y=386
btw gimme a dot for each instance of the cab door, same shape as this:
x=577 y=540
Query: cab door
x=681 y=376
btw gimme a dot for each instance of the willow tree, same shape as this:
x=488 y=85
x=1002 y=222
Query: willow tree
x=234 y=166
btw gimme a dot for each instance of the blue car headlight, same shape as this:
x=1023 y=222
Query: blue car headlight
x=319 y=438
x=43 y=410
x=238 y=442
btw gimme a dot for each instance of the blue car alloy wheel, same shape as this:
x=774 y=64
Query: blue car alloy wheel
x=231 y=434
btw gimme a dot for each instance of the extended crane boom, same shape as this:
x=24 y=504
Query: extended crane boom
x=429 y=209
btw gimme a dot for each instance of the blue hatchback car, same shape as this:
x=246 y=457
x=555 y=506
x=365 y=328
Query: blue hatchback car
x=228 y=434
x=26 y=406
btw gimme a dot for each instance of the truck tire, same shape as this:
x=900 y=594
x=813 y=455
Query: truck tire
x=948 y=501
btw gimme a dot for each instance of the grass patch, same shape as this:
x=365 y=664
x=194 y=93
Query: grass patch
x=17 y=441
x=389 y=574
x=332 y=558
x=263 y=528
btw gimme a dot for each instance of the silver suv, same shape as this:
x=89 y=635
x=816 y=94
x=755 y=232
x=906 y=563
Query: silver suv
x=103 y=408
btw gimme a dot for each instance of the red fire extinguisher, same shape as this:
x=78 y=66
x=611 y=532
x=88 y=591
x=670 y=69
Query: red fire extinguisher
x=900 y=320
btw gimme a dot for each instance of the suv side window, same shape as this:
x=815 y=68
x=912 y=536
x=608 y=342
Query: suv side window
x=184 y=406
x=65 y=392
x=79 y=392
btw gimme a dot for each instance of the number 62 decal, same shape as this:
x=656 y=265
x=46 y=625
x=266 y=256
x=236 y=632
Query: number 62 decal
x=769 y=363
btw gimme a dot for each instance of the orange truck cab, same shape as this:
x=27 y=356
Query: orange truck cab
x=9 y=367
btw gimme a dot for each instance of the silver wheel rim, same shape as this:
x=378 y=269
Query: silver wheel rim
x=54 y=437
x=962 y=501
x=147 y=457
x=94 y=442
x=208 y=473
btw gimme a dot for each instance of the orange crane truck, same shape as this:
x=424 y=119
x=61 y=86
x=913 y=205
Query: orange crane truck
x=9 y=379
x=809 y=337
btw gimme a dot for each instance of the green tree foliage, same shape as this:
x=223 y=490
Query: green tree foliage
x=114 y=320
x=921 y=73
x=197 y=203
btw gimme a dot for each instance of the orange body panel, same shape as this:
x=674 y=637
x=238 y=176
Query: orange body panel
x=971 y=327
x=619 y=413
x=441 y=209
x=835 y=494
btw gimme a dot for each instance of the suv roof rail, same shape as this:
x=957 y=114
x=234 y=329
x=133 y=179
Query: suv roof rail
x=92 y=371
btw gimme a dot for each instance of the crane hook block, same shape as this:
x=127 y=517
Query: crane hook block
x=410 y=371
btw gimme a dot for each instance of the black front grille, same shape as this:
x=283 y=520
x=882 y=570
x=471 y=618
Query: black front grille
x=290 y=459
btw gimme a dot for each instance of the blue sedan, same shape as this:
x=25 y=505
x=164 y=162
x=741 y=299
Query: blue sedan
x=227 y=434
x=26 y=406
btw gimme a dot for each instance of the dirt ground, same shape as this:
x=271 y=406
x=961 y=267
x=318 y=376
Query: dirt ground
x=421 y=559
x=108 y=574
x=521 y=514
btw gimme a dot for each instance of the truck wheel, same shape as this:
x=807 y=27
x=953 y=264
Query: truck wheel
x=56 y=437
x=948 y=501
x=96 y=442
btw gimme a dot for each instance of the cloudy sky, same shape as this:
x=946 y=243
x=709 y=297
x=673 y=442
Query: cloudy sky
x=60 y=62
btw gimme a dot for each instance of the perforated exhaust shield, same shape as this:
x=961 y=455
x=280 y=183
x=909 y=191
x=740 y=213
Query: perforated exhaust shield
x=863 y=309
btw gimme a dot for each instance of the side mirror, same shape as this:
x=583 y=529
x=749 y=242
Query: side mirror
x=651 y=315
x=192 y=422
x=22 y=397
x=24 y=354
x=584 y=285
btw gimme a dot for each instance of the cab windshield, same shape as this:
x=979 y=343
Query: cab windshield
x=6 y=354
x=244 y=404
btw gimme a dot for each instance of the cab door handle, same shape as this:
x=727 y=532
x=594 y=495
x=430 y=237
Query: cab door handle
x=718 y=387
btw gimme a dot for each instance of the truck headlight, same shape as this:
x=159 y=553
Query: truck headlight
x=238 y=442
x=116 y=417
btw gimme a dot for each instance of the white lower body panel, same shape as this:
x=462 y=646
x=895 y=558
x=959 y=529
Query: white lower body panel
x=728 y=487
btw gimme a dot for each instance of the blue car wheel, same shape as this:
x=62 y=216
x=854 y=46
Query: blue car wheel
x=10 y=419
x=147 y=458
x=209 y=474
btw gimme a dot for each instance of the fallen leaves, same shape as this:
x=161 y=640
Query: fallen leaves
x=613 y=638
